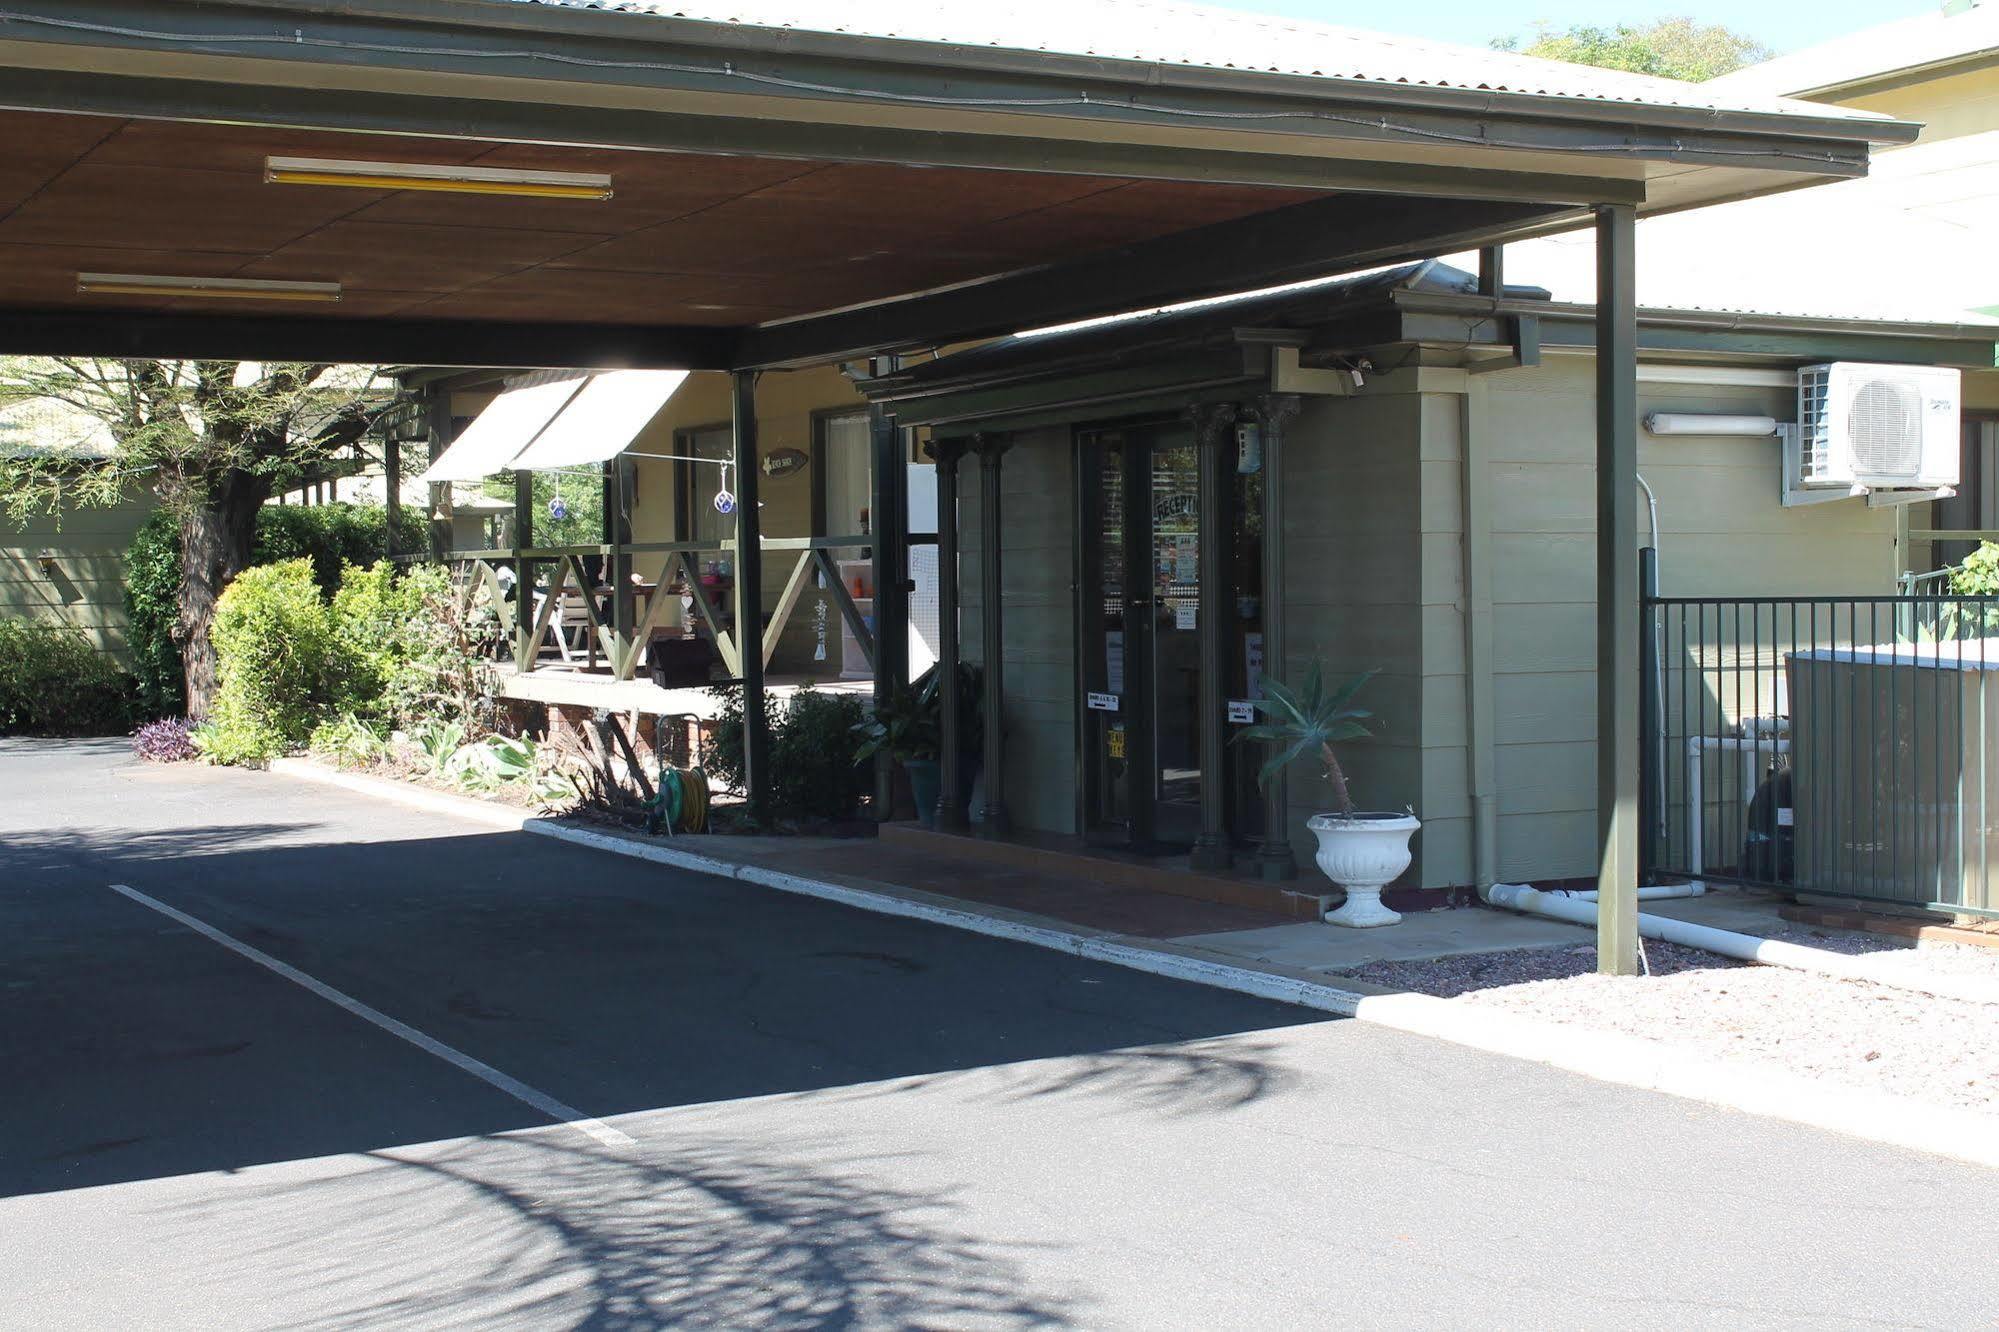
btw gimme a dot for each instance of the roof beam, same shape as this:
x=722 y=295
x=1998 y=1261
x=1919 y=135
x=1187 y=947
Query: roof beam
x=71 y=92
x=363 y=341
x=1309 y=240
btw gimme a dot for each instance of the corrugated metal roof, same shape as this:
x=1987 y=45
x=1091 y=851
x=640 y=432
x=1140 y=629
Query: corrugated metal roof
x=1196 y=35
x=1888 y=48
x=1911 y=243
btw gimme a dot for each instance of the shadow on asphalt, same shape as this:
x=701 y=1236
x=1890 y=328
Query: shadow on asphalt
x=548 y=1232
x=615 y=986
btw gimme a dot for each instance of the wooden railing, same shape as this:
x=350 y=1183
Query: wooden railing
x=622 y=642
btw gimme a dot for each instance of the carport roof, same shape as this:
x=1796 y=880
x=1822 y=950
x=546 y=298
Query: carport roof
x=785 y=195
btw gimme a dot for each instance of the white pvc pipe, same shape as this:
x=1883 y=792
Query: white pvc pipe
x=1654 y=893
x=1751 y=748
x=1750 y=948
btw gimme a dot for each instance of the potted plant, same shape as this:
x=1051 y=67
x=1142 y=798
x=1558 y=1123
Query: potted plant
x=908 y=727
x=1361 y=851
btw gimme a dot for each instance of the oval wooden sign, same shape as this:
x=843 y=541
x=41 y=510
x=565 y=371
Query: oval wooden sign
x=783 y=462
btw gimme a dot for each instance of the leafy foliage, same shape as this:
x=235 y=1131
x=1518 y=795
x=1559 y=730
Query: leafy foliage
x=1307 y=719
x=152 y=609
x=582 y=506
x=813 y=774
x=332 y=536
x=279 y=661
x=54 y=681
x=1671 y=48
x=1978 y=576
x=909 y=724
x=165 y=741
x=347 y=741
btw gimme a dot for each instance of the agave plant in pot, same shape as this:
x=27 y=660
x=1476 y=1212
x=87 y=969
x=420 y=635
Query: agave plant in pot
x=1362 y=851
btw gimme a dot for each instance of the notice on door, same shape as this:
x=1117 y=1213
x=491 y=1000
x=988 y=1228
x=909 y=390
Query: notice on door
x=1103 y=702
x=1186 y=617
x=1241 y=712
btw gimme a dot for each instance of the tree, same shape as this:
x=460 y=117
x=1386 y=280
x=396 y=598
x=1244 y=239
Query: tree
x=1672 y=48
x=212 y=440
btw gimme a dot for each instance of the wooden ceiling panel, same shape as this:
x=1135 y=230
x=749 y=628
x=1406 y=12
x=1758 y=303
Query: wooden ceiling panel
x=41 y=276
x=36 y=149
x=395 y=257
x=687 y=238
x=903 y=197
x=172 y=208
x=610 y=298
x=648 y=188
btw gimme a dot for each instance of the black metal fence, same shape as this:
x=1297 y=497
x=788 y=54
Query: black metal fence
x=1844 y=746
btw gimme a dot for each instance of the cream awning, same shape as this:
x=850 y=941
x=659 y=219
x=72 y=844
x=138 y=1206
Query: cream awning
x=508 y=425
x=602 y=419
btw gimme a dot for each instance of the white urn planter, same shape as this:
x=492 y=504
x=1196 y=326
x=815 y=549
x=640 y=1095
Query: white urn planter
x=1363 y=853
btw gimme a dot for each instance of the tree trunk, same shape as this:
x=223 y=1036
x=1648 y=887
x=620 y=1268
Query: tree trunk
x=216 y=540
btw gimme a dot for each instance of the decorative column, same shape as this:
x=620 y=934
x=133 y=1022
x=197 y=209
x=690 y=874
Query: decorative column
x=1213 y=424
x=749 y=612
x=950 y=741
x=1274 y=859
x=888 y=507
x=993 y=820
x=1617 y=703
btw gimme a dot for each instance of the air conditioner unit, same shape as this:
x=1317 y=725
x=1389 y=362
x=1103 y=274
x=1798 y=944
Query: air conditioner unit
x=1865 y=427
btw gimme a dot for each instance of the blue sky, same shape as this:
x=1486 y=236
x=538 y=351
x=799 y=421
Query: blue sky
x=1783 y=25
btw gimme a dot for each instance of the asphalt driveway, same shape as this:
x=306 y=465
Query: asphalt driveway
x=325 y=1062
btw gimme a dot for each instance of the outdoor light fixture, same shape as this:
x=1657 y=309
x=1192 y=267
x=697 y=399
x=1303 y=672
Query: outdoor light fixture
x=443 y=179
x=235 y=289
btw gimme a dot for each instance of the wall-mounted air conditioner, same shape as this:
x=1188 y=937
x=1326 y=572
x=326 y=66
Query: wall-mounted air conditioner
x=1892 y=426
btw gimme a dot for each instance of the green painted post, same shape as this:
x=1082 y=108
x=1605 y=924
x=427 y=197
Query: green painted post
x=748 y=554
x=1617 y=672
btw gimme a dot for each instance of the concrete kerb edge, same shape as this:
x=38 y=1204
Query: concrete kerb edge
x=1612 y=1057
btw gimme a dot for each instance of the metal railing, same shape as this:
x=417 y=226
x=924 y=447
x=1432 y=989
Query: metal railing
x=621 y=636
x=1842 y=746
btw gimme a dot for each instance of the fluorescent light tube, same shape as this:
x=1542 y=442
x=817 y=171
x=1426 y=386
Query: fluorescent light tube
x=235 y=289
x=444 y=179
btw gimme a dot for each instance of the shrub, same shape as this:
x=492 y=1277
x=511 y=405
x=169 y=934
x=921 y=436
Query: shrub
x=411 y=654
x=278 y=663
x=347 y=741
x=152 y=609
x=164 y=741
x=330 y=535
x=54 y=681
x=813 y=774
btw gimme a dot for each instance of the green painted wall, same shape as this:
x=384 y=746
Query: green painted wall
x=87 y=586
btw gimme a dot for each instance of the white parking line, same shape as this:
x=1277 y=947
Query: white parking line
x=567 y=1115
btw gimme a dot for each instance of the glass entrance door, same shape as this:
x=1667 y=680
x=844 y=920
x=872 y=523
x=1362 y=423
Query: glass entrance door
x=1141 y=661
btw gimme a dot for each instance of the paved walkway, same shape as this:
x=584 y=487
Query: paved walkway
x=1236 y=934
x=800 y=1115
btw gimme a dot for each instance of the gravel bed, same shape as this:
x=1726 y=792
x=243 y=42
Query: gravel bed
x=1872 y=1036
x=1901 y=954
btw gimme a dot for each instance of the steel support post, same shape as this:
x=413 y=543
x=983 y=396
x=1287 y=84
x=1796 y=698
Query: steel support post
x=993 y=819
x=1274 y=858
x=888 y=509
x=748 y=556
x=1617 y=647
x=438 y=423
x=617 y=570
x=951 y=812
x=1213 y=424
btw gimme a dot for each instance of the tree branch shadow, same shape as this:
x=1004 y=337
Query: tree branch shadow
x=540 y=1230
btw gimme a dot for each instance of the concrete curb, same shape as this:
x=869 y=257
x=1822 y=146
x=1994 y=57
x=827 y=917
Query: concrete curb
x=1612 y=1057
